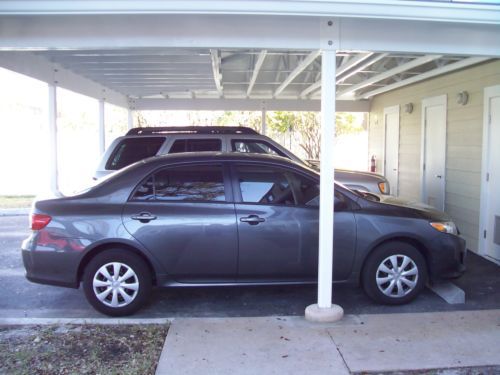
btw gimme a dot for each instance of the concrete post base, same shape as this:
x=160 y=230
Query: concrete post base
x=317 y=314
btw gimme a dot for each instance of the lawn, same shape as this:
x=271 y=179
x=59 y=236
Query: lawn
x=81 y=349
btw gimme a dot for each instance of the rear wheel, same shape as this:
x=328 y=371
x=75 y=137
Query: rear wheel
x=117 y=282
x=395 y=273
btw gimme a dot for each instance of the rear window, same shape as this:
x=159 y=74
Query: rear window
x=131 y=150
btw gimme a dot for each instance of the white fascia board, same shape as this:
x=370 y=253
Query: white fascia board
x=385 y=9
x=240 y=31
x=429 y=74
x=247 y=105
x=37 y=67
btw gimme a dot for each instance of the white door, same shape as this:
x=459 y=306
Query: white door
x=433 y=151
x=391 y=120
x=490 y=187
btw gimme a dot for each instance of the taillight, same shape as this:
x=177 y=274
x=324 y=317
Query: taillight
x=39 y=221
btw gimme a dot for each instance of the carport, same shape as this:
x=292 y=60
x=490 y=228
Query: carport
x=257 y=55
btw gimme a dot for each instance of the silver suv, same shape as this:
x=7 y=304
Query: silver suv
x=140 y=143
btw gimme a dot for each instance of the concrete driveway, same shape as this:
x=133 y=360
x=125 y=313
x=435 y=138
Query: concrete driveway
x=20 y=298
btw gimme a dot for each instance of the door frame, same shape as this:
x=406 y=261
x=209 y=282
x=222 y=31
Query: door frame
x=489 y=92
x=388 y=111
x=429 y=102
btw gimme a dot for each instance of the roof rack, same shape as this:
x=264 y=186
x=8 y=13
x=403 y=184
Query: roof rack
x=192 y=130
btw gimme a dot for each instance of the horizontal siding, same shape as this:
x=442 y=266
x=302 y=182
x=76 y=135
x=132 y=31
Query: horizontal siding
x=464 y=140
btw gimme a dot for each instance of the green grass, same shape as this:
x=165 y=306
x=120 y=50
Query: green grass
x=16 y=201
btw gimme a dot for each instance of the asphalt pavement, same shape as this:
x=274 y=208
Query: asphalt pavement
x=21 y=298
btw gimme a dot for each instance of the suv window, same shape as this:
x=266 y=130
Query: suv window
x=255 y=147
x=193 y=145
x=131 y=150
x=192 y=183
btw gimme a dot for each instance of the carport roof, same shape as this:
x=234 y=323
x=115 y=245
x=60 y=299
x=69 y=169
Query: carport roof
x=249 y=73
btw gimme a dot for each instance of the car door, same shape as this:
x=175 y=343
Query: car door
x=277 y=214
x=185 y=216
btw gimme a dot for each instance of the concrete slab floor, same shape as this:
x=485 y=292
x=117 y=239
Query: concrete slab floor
x=443 y=343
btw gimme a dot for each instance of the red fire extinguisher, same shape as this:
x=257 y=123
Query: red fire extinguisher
x=373 y=166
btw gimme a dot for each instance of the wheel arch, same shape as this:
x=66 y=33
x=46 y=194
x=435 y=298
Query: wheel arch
x=422 y=249
x=114 y=245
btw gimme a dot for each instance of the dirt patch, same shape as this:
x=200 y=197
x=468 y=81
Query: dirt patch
x=81 y=349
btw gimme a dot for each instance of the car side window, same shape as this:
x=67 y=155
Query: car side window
x=194 y=145
x=306 y=190
x=255 y=147
x=265 y=185
x=189 y=183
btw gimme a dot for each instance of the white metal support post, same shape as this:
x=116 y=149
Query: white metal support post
x=130 y=119
x=52 y=140
x=264 y=123
x=324 y=310
x=102 y=127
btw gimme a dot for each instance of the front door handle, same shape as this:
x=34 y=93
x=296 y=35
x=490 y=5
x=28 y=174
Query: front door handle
x=144 y=217
x=252 y=219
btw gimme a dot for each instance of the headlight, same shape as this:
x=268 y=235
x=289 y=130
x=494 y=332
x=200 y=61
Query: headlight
x=384 y=187
x=445 y=227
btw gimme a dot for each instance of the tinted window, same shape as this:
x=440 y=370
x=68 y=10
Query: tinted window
x=196 y=183
x=255 y=147
x=306 y=191
x=193 y=145
x=264 y=185
x=131 y=150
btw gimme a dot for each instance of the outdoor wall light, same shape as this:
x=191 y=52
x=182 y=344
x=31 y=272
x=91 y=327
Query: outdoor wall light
x=463 y=97
x=409 y=107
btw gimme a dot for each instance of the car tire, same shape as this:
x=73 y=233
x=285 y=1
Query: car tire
x=112 y=295
x=394 y=273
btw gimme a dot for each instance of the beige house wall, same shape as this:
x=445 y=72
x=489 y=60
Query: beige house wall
x=464 y=140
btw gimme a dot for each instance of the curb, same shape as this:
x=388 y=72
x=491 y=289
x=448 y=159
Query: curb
x=99 y=321
x=14 y=211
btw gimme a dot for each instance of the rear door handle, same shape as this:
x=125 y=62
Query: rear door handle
x=144 y=217
x=252 y=219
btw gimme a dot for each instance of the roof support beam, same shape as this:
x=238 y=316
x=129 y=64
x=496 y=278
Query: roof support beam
x=216 y=70
x=244 y=104
x=363 y=66
x=391 y=72
x=258 y=65
x=299 y=69
x=343 y=68
x=432 y=73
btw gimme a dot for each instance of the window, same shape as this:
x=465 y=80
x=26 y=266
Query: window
x=255 y=147
x=306 y=191
x=191 y=183
x=131 y=150
x=194 y=145
x=264 y=185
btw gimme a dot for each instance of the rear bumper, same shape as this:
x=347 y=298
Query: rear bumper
x=50 y=267
x=447 y=257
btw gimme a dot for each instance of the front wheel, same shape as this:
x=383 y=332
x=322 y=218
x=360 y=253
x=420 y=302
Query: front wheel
x=395 y=273
x=117 y=282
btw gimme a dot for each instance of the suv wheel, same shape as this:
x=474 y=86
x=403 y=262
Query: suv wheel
x=117 y=282
x=395 y=273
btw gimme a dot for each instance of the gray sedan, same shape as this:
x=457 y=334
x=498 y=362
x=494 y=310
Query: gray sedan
x=230 y=219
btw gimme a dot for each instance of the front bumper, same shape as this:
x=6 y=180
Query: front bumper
x=447 y=257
